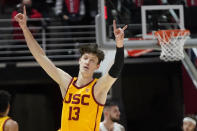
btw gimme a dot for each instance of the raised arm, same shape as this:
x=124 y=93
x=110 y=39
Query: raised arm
x=55 y=73
x=105 y=82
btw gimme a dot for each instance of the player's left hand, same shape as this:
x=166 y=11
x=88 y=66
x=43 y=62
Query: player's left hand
x=119 y=34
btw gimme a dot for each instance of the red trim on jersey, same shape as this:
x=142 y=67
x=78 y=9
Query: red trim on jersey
x=68 y=88
x=4 y=123
x=94 y=96
x=96 y=117
x=81 y=86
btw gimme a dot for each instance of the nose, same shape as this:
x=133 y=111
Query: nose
x=87 y=61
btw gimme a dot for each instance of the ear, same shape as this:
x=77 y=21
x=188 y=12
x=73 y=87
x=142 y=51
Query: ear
x=8 y=109
x=106 y=113
x=97 y=66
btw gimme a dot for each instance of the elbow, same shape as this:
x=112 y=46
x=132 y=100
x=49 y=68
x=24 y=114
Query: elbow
x=115 y=72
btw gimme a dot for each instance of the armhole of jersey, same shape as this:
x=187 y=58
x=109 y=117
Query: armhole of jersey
x=5 y=123
x=94 y=96
x=68 y=87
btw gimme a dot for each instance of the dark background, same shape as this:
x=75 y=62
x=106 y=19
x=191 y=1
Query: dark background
x=150 y=96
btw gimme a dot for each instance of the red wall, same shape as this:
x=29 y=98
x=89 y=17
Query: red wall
x=190 y=94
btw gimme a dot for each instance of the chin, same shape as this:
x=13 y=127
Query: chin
x=86 y=73
x=115 y=119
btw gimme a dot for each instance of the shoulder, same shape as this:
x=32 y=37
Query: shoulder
x=101 y=127
x=11 y=125
x=65 y=77
x=11 y=122
x=101 y=124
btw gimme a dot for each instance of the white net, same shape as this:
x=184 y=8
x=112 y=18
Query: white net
x=172 y=44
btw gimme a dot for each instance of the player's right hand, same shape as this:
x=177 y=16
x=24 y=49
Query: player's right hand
x=22 y=18
x=119 y=34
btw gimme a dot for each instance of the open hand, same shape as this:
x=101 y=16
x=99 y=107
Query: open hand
x=22 y=18
x=119 y=34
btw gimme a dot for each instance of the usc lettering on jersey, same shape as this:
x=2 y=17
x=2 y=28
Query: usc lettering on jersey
x=80 y=110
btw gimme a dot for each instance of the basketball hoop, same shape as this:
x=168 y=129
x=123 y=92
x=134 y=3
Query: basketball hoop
x=172 y=43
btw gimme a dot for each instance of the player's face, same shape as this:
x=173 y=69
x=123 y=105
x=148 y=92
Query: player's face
x=114 y=113
x=88 y=63
x=188 y=126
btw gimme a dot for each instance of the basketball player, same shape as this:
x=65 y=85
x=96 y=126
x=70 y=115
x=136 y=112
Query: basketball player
x=6 y=123
x=84 y=96
x=189 y=123
x=111 y=117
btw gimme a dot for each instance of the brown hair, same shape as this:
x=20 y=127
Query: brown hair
x=4 y=100
x=92 y=48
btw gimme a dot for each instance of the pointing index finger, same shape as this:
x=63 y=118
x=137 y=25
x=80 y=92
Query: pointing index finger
x=24 y=11
x=114 y=24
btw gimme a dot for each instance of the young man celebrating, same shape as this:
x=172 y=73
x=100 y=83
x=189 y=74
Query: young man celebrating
x=111 y=117
x=6 y=123
x=84 y=96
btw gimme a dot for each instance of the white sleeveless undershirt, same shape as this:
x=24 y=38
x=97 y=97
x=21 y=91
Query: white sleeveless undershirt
x=117 y=127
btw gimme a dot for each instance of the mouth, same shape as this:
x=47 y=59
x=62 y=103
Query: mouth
x=86 y=67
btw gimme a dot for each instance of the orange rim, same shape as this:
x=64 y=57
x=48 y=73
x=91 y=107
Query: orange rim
x=167 y=34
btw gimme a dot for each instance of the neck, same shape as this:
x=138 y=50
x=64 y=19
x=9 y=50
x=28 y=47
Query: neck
x=108 y=123
x=3 y=114
x=83 y=79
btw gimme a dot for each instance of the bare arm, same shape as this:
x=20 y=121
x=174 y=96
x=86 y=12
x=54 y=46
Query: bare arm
x=11 y=125
x=106 y=81
x=55 y=73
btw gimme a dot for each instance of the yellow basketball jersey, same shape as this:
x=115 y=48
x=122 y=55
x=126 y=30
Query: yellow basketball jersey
x=2 y=122
x=80 y=110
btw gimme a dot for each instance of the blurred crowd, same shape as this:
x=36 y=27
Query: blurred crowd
x=80 y=12
x=69 y=11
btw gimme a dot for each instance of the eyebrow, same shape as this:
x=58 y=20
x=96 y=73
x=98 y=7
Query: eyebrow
x=90 y=56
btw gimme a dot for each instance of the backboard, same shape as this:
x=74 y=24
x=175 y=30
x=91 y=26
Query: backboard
x=161 y=17
x=142 y=22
